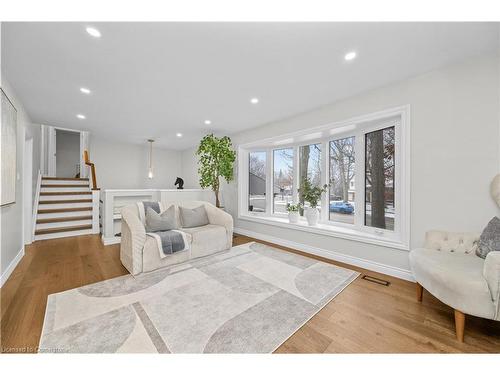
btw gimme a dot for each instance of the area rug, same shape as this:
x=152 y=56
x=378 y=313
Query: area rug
x=248 y=299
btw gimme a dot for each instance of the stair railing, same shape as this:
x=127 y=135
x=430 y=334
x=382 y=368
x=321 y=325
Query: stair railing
x=92 y=169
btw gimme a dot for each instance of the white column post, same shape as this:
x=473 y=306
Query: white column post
x=95 y=211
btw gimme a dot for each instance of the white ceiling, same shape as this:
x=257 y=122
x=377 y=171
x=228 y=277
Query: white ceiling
x=152 y=80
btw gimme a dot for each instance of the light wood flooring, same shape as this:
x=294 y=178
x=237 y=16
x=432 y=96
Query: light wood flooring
x=364 y=318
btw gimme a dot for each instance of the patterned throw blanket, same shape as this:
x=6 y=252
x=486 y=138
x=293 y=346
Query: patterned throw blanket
x=169 y=241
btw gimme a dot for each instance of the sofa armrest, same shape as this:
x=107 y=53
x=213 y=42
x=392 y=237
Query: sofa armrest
x=219 y=217
x=132 y=240
x=491 y=272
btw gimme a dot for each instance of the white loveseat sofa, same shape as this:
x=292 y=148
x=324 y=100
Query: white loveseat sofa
x=449 y=269
x=140 y=253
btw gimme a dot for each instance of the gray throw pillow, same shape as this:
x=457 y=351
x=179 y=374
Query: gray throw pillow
x=193 y=217
x=489 y=239
x=160 y=222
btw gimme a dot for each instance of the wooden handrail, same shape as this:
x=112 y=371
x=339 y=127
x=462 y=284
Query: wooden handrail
x=92 y=169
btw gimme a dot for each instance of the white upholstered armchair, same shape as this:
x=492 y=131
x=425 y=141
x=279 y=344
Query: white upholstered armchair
x=448 y=268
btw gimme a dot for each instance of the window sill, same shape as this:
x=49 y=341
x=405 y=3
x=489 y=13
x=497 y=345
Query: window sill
x=327 y=230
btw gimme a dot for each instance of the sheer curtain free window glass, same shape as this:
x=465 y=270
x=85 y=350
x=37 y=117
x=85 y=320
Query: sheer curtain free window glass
x=282 y=179
x=257 y=181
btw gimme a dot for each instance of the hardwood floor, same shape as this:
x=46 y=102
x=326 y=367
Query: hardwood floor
x=364 y=318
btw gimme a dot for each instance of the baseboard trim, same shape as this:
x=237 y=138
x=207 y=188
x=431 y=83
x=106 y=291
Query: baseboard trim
x=110 y=240
x=5 y=276
x=397 y=272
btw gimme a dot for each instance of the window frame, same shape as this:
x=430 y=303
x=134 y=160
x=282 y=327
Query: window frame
x=357 y=127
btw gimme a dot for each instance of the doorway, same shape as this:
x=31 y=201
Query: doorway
x=62 y=152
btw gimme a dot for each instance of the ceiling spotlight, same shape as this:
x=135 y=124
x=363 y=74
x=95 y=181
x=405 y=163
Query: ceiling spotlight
x=350 y=56
x=85 y=90
x=178 y=135
x=254 y=100
x=80 y=116
x=94 y=32
x=208 y=122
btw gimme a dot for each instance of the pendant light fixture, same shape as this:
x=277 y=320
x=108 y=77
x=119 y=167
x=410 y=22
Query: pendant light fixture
x=150 y=171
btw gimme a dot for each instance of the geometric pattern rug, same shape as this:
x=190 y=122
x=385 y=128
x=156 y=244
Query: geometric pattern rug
x=249 y=299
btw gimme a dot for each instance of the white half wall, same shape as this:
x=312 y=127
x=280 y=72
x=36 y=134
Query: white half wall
x=125 y=166
x=454 y=155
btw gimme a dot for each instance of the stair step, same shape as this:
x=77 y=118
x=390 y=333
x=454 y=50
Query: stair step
x=63 y=224
x=62 y=201
x=63 y=185
x=64 y=179
x=75 y=188
x=55 y=210
x=63 y=219
x=66 y=193
x=62 y=229
x=56 y=235
x=67 y=196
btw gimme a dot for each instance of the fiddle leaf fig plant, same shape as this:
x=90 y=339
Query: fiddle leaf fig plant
x=216 y=159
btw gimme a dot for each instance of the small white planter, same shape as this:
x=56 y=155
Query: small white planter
x=293 y=217
x=312 y=215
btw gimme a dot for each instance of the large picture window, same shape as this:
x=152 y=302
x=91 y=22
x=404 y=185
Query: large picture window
x=379 y=178
x=309 y=167
x=283 y=179
x=257 y=181
x=342 y=180
x=364 y=163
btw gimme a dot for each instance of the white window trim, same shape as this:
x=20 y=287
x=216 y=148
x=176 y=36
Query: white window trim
x=358 y=126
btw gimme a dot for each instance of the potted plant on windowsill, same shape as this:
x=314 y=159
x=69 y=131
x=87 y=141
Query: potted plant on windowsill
x=312 y=195
x=293 y=212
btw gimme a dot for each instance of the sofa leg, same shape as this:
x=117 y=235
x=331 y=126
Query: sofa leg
x=459 y=325
x=420 y=292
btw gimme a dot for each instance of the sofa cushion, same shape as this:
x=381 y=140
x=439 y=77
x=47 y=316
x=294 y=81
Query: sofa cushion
x=193 y=217
x=455 y=279
x=207 y=239
x=160 y=222
x=489 y=239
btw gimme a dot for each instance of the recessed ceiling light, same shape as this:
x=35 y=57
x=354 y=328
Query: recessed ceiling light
x=85 y=90
x=94 y=32
x=350 y=56
x=208 y=122
x=80 y=116
x=179 y=135
x=254 y=100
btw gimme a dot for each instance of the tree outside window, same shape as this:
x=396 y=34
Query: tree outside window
x=379 y=178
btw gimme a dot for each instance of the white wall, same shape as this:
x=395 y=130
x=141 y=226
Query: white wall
x=67 y=153
x=125 y=166
x=454 y=154
x=11 y=216
x=190 y=169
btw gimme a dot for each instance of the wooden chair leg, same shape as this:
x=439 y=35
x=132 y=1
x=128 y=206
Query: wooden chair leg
x=420 y=292
x=459 y=325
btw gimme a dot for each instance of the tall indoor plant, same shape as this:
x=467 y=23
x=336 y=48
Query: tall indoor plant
x=216 y=159
x=312 y=194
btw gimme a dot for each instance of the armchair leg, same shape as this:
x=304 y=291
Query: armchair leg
x=459 y=325
x=420 y=292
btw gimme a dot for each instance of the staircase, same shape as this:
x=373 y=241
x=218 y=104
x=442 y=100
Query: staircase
x=66 y=207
